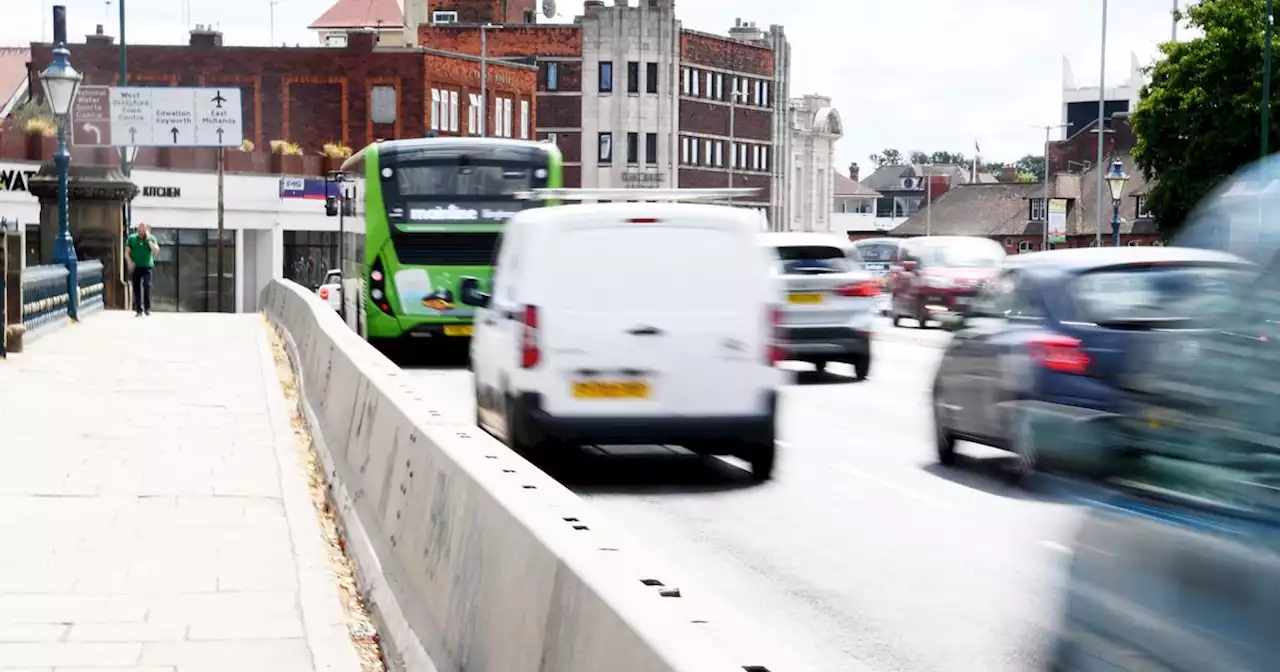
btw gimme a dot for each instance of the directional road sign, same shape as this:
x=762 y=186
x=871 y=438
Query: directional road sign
x=141 y=116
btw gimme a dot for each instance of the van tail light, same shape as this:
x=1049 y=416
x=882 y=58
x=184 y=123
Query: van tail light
x=324 y=293
x=530 y=354
x=1060 y=354
x=866 y=288
x=775 y=350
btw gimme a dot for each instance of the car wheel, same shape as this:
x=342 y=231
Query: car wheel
x=945 y=441
x=861 y=366
x=762 y=458
x=820 y=365
x=921 y=321
x=1022 y=443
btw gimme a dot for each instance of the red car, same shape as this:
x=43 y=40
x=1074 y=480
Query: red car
x=938 y=274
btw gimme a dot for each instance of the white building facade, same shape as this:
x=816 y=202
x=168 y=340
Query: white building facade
x=815 y=127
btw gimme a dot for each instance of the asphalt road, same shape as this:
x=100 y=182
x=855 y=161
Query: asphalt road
x=862 y=553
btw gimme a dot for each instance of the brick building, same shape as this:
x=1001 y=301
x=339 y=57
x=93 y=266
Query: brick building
x=318 y=95
x=633 y=99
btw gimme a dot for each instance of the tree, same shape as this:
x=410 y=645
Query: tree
x=1198 y=118
x=918 y=158
x=888 y=157
x=1030 y=165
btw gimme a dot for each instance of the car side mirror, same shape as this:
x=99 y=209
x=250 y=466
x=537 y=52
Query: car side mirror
x=910 y=266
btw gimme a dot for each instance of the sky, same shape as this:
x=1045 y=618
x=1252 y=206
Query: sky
x=929 y=75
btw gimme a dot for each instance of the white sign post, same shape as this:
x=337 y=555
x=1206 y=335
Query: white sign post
x=172 y=117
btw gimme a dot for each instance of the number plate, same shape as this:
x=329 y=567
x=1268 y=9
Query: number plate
x=611 y=389
x=805 y=298
x=458 y=329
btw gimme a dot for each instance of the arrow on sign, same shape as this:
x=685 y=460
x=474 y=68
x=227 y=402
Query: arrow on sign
x=174 y=131
x=219 y=135
x=133 y=136
x=97 y=132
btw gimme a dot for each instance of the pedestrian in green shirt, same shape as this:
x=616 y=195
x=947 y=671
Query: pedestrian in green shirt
x=140 y=251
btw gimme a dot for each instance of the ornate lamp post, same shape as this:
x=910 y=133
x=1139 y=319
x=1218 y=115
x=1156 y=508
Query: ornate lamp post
x=61 y=84
x=1116 y=179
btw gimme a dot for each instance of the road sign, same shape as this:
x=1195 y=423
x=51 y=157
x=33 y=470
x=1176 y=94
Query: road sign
x=138 y=116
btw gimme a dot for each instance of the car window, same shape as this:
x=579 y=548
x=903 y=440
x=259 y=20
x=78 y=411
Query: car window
x=1025 y=304
x=1158 y=293
x=996 y=298
x=877 y=252
x=812 y=259
x=332 y=279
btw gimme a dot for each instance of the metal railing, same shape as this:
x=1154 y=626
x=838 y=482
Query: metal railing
x=92 y=280
x=45 y=301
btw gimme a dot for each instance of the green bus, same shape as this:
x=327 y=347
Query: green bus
x=434 y=209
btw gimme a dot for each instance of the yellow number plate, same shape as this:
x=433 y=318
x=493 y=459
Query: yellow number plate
x=611 y=389
x=805 y=297
x=457 y=330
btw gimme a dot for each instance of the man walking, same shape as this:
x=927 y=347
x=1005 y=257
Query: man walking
x=140 y=251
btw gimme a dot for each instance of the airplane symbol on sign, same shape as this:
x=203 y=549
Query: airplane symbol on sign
x=219 y=100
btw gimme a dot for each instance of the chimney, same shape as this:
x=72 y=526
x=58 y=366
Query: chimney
x=591 y=7
x=362 y=40
x=98 y=37
x=205 y=36
x=853 y=171
x=1008 y=174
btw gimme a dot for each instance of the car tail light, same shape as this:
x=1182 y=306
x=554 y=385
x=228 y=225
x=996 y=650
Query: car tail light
x=530 y=355
x=775 y=350
x=324 y=293
x=864 y=288
x=1060 y=354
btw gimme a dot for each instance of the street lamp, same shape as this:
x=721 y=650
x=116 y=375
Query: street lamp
x=1116 y=179
x=61 y=84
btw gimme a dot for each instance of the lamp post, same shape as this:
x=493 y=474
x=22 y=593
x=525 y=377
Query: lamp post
x=61 y=83
x=1116 y=179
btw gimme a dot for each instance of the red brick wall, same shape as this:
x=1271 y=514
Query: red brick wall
x=1069 y=154
x=749 y=123
x=480 y=11
x=545 y=40
x=310 y=96
x=722 y=52
x=696 y=178
x=463 y=76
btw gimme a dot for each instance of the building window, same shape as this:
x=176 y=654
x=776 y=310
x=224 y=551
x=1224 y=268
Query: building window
x=686 y=81
x=444 y=17
x=719 y=95
x=553 y=76
x=554 y=139
x=186 y=269
x=633 y=148
x=756 y=159
x=710 y=83
x=686 y=149
x=473 y=115
x=651 y=77
x=651 y=148
x=606 y=76
x=742 y=157
x=1037 y=209
x=453 y=111
x=764 y=95
x=1143 y=211
x=696 y=78
x=1024 y=246
x=435 y=109
x=524 y=120
x=633 y=77
x=707 y=149
x=605 y=151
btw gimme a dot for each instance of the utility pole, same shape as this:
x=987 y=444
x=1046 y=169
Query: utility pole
x=484 y=79
x=1174 y=36
x=222 y=160
x=733 y=143
x=928 y=202
x=1102 y=111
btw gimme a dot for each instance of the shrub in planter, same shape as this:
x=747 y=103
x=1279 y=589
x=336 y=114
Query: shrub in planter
x=286 y=157
x=334 y=156
x=42 y=139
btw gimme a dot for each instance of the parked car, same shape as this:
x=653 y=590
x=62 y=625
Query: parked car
x=940 y=274
x=877 y=256
x=631 y=323
x=331 y=289
x=831 y=302
x=1059 y=332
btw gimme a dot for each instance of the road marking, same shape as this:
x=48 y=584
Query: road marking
x=1055 y=546
x=915 y=494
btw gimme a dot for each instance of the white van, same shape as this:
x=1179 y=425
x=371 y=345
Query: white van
x=631 y=323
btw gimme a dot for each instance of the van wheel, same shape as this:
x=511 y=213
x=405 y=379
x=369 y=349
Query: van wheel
x=820 y=365
x=762 y=458
x=945 y=441
x=518 y=437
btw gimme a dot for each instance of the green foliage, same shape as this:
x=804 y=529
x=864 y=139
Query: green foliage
x=888 y=157
x=1199 y=118
x=1027 y=178
x=1030 y=165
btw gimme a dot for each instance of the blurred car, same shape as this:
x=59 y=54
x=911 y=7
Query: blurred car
x=1175 y=565
x=876 y=256
x=1058 y=331
x=331 y=289
x=831 y=302
x=940 y=274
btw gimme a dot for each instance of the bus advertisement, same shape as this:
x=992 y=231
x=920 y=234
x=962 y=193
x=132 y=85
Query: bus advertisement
x=434 y=209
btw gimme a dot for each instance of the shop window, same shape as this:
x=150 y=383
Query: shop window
x=185 y=279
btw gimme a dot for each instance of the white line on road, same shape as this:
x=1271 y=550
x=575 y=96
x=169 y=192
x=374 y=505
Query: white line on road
x=1055 y=546
x=915 y=494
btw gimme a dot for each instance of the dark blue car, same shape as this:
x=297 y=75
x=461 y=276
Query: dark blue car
x=1057 y=333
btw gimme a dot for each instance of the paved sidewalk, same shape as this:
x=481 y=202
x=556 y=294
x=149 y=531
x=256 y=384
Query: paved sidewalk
x=153 y=515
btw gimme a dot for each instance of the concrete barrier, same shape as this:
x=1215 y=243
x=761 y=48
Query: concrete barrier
x=471 y=558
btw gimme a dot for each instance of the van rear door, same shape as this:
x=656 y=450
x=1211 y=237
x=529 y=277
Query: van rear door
x=649 y=317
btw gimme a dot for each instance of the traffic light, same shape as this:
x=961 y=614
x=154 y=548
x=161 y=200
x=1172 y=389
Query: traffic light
x=330 y=206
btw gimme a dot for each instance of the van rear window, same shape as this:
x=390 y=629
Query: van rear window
x=1157 y=294
x=662 y=269
x=813 y=259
